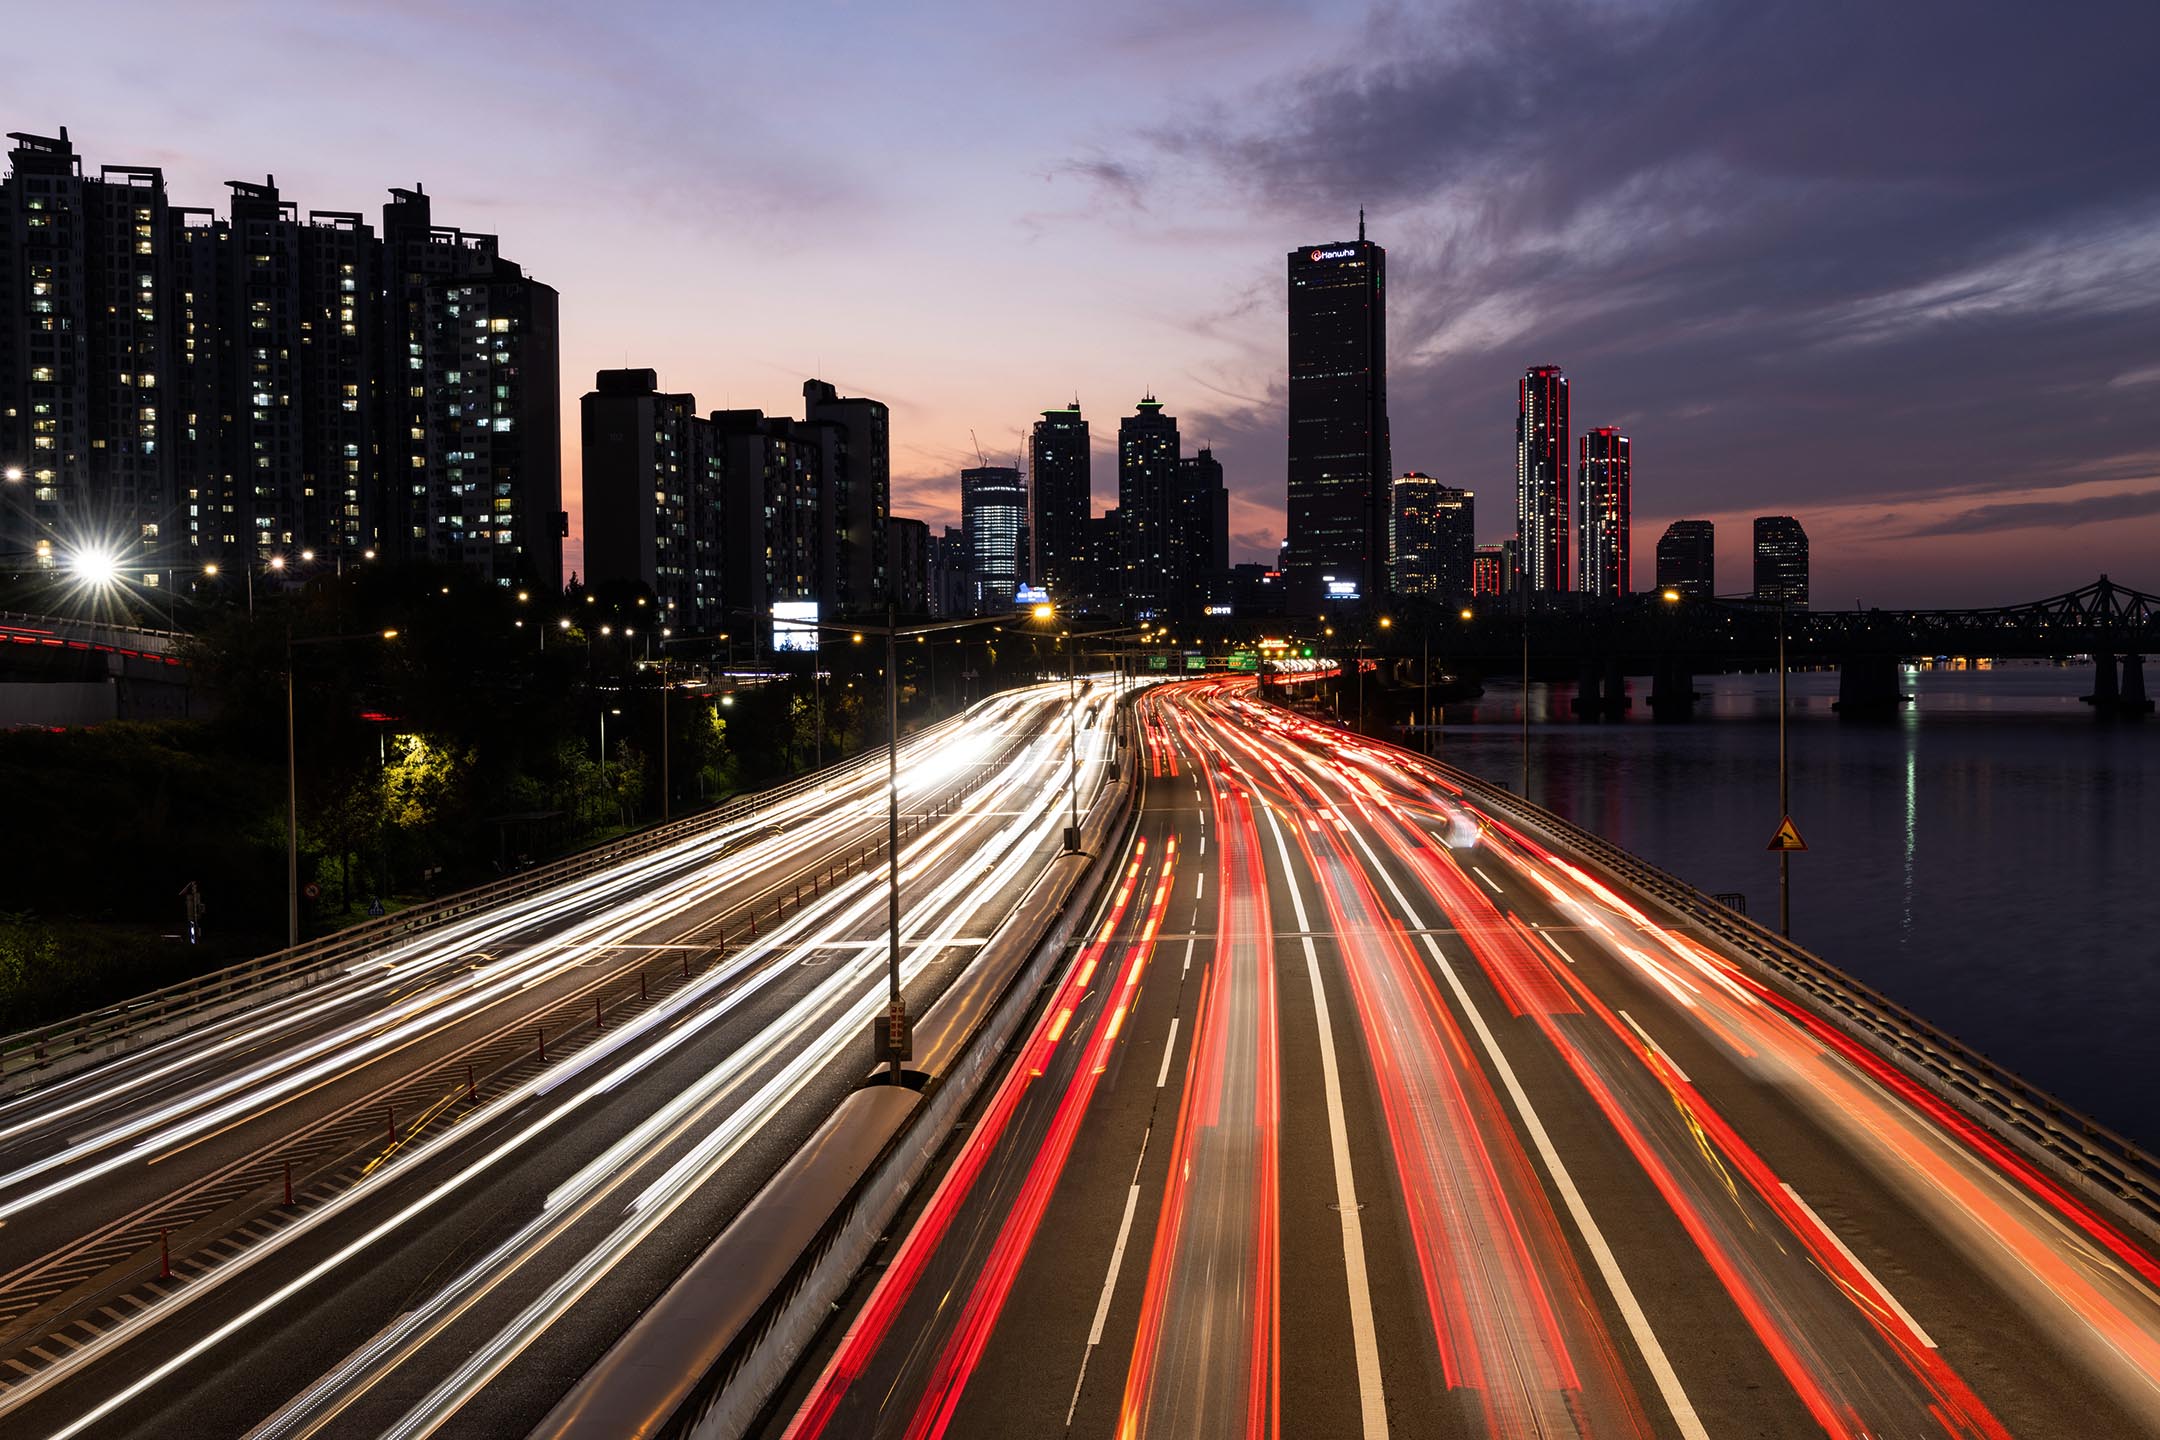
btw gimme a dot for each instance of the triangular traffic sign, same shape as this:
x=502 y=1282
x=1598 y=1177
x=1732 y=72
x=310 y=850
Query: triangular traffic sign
x=1787 y=838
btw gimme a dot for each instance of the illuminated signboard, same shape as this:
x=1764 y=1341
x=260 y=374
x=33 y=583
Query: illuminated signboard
x=1342 y=589
x=794 y=625
x=1158 y=662
x=1216 y=610
x=1195 y=662
x=1031 y=595
x=1244 y=660
x=1344 y=253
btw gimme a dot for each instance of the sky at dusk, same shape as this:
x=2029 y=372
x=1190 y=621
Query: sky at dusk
x=1892 y=267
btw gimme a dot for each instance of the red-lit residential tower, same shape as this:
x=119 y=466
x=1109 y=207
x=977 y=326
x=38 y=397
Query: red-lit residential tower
x=1603 y=475
x=1541 y=479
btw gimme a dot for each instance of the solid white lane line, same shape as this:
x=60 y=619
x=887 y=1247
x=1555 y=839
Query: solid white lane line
x=1169 y=1049
x=1866 y=1274
x=1372 y=1401
x=1668 y=1383
x=1646 y=1341
x=1557 y=946
x=1199 y=889
x=1487 y=879
x=1188 y=957
x=1657 y=1050
x=1102 y=1306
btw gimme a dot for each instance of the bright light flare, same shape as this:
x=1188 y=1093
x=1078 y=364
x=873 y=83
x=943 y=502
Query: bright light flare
x=95 y=566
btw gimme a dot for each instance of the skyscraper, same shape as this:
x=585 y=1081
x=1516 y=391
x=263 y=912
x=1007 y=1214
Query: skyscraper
x=1602 y=481
x=907 y=563
x=858 y=476
x=1541 y=479
x=1155 y=562
x=993 y=512
x=1489 y=571
x=1687 y=558
x=774 y=546
x=1339 y=462
x=654 y=486
x=1431 y=532
x=1781 y=560
x=1061 y=472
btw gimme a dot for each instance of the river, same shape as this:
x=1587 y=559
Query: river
x=1988 y=858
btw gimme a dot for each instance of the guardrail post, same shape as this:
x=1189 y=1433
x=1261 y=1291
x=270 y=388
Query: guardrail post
x=288 y=1184
x=541 y=1031
x=641 y=985
x=599 y=1017
x=390 y=1112
x=471 y=1091
x=164 y=1243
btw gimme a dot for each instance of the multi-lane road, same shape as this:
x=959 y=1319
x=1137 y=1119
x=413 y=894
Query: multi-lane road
x=1365 y=1112
x=501 y=1140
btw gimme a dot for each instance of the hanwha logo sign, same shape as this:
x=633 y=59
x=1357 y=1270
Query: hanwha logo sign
x=1342 y=254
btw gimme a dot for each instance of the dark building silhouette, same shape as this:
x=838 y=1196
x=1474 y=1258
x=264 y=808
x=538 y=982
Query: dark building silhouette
x=1149 y=511
x=858 y=472
x=1604 y=474
x=1687 y=558
x=1432 y=530
x=993 y=515
x=1202 y=536
x=1339 y=463
x=1257 y=591
x=195 y=389
x=907 y=563
x=654 y=485
x=1541 y=479
x=1106 y=563
x=774 y=544
x=948 y=573
x=1060 y=473
x=1781 y=560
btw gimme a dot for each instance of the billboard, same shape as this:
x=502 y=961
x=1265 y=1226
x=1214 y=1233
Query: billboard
x=1028 y=595
x=794 y=625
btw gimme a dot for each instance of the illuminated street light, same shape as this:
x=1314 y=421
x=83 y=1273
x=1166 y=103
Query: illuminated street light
x=277 y=562
x=211 y=569
x=563 y=623
x=14 y=473
x=1468 y=613
x=1670 y=596
x=307 y=554
x=96 y=567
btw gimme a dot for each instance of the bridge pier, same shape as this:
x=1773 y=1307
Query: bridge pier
x=2106 y=697
x=1868 y=685
x=2134 y=700
x=1600 y=690
x=1672 y=689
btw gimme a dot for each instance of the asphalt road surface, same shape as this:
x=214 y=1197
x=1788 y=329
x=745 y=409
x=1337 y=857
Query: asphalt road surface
x=1365 y=1113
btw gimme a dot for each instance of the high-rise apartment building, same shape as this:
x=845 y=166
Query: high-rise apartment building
x=859 y=473
x=907 y=563
x=1151 y=516
x=654 y=489
x=1604 y=474
x=1339 y=462
x=1541 y=479
x=1687 y=559
x=1202 y=532
x=948 y=573
x=1060 y=475
x=1781 y=561
x=993 y=514
x=774 y=543
x=1489 y=571
x=190 y=389
x=1106 y=563
x=1432 y=530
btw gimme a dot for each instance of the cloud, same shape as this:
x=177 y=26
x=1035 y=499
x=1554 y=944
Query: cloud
x=2055 y=514
x=1814 y=254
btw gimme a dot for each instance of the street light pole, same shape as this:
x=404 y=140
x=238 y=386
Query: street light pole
x=292 y=804
x=1784 y=791
x=897 y=1032
x=1521 y=583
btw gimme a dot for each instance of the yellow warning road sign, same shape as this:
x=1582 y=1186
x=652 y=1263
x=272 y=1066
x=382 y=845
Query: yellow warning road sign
x=1787 y=838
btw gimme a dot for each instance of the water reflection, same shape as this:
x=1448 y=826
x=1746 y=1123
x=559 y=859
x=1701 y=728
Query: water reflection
x=2025 y=927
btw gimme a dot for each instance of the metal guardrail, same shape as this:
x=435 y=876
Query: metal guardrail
x=127 y=1022
x=737 y=1317
x=2095 y=1159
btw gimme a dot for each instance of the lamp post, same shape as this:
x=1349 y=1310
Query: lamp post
x=1072 y=716
x=893 y=1039
x=1784 y=792
x=1522 y=584
x=603 y=740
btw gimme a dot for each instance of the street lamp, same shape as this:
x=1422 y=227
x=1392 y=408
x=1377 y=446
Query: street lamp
x=292 y=777
x=603 y=740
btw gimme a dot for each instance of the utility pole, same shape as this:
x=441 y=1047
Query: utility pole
x=1522 y=585
x=1784 y=788
x=898 y=1044
x=292 y=808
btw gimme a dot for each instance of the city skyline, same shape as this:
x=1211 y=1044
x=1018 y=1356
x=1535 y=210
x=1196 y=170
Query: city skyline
x=2006 y=300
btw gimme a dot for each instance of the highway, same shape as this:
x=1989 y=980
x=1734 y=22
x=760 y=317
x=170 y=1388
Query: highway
x=503 y=1137
x=1364 y=1111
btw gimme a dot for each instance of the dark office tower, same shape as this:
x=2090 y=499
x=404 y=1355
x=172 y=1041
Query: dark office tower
x=1511 y=568
x=1541 y=479
x=993 y=508
x=1339 y=460
x=1202 y=532
x=1781 y=560
x=1061 y=470
x=1155 y=563
x=653 y=496
x=472 y=425
x=907 y=563
x=1687 y=558
x=1488 y=571
x=859 y=475
x=1603 y=477
x=772 y=481
x=1432 y=529
x=86 y=278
